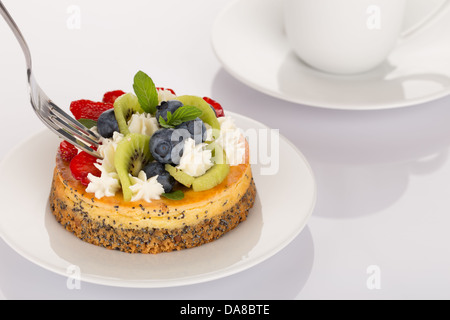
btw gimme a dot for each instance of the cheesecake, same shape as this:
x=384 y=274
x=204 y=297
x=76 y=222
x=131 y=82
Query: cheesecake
x=172 y=172
x=160 y=226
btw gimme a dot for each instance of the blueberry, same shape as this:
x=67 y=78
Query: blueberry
x=166 y=145
x=154 y=169
x=161 y=145
x=167 y=182
x=167 y=106
x=196 y=129
x=164 y=178
x=107 y=124
x=179 y=136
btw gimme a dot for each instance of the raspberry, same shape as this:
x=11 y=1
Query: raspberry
x=162 y=89
x=111 y=96
x=87 y=109
x=83 y=164
x=67 y=151
x=216 y=106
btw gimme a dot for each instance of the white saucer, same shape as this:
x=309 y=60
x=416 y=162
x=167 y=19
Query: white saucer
x=249 y=40
x=28 y=226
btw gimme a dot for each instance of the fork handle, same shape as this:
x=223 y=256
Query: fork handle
x=23 y=44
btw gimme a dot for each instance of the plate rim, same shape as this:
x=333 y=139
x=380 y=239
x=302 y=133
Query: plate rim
x=308 y=102
x=177 y=282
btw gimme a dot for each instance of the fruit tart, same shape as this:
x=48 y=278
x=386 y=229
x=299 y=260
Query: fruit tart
x=173 y=172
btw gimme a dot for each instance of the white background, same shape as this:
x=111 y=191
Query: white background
x=383 y=176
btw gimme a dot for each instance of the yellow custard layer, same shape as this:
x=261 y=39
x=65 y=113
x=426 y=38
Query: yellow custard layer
x=159 y=214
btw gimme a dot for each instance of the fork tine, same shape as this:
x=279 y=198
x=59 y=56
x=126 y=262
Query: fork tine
x=77 y=143
x=68 y=137
x=45 y=109
x=65 y=135
x=71 y=130
x=61 y=124
x=63 y=116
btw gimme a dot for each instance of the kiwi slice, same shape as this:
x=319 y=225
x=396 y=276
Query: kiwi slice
x=180 y=176
x=132 y=154
x=214 y=176
x=124 y=107
x=209 y=180
x=208 y=115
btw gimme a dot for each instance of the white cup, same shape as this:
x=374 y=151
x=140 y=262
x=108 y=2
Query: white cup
x=347 y=36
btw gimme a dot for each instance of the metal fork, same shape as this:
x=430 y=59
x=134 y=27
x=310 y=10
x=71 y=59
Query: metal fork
x=58 y=121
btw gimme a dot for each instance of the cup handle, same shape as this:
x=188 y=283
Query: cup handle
x=427 y=21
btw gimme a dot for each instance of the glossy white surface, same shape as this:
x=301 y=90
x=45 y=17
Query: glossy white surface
x=254 y=49
x=343 y=36
x=383 y=176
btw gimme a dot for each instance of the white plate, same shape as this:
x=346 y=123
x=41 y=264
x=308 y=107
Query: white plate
x=283 y=206
x=249 y=40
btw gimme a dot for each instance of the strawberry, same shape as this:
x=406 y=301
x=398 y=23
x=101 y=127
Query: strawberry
x=67 y=151
x=162 y=89
x=111 y=96
x=83 y=164
x=87 y=109
x=216 y=106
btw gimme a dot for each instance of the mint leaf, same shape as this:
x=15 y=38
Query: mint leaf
x=176 y=195
x=182 y=114
x=163 y=123
x=187 y=113
x=169 y=117
x=88 y=123
x=146 y=92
